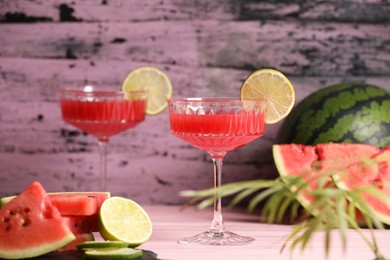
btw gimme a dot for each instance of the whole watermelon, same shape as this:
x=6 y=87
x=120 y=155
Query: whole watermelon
x=344 y=113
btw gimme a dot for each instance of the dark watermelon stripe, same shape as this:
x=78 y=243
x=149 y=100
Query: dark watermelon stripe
x=332 y=121
x=354 y=91
x=318 y=98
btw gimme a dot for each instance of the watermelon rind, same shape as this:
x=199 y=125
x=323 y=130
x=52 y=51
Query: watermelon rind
x=28 y=252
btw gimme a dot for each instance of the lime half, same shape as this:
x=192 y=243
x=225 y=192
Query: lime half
x=274 y=87
x=124 y=220
x=157 y=84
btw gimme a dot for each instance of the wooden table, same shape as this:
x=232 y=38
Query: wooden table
x=171 y=223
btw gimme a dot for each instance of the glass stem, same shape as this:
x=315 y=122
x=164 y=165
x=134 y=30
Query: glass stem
x=217 y=225
x=103 y=142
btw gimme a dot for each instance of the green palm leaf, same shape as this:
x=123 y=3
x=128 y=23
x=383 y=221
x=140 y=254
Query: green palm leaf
x=332 y=209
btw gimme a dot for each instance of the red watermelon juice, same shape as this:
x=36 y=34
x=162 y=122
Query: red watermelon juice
x=218 y=132
x=103 y=118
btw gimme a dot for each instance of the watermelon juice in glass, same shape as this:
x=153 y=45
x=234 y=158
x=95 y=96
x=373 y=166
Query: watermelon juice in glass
x=217 y=126
x=102 y=113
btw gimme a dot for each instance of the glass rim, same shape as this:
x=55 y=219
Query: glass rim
x=213 y=99
x=100 y=92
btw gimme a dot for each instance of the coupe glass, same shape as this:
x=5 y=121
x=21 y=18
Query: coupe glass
x=103 y=113
x=217 y=126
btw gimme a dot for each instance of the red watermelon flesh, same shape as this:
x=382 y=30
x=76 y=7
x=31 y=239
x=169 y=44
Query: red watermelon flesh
x=375 y=172
x=74 y=205
x=31 y=226
x=336 y=156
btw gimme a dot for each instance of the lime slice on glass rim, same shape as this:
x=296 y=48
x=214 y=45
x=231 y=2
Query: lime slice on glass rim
x=122 y=219
x=273 y=86
x=117 y=253
x=157 y=84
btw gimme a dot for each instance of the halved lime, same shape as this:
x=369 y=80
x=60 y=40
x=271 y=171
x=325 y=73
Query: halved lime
x=273 y=86
x=102 y=244
x=118 y=253
x=124 y=220
x=157 y=84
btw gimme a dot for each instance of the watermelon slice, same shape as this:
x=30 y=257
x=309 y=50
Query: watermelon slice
x=82 y=224
x=348 y=164
x=31 y=226
x=73 y=203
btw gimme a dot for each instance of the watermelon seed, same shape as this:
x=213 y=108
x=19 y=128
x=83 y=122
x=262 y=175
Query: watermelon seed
x=6 y=219
x=8 y=228
x=26 y=210
x=26 y=222
x=12 y=212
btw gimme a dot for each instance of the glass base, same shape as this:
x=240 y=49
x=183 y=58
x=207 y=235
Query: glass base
x=224 y=238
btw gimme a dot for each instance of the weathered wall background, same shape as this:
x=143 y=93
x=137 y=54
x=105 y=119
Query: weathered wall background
x=206 y=47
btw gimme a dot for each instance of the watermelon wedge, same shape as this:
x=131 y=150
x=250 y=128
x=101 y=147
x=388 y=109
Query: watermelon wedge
x=73 y=203
x=346 y=165
x=31 y=226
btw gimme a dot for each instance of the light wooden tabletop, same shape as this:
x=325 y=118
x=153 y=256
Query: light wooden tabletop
x=171 y=223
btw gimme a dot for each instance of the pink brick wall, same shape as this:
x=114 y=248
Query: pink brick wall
x=206 y=47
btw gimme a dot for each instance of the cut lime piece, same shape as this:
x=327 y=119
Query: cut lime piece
x=124 y=220
x=102 y=244
x=157 y=84
x=274 y=87
x=118 y=253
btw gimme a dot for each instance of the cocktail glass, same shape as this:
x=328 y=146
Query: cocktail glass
x=103 y=113
x=217 y=126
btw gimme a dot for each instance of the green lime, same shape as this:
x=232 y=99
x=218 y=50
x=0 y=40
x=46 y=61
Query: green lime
x=102 y=244
x=117 y=253
x=124 y=220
